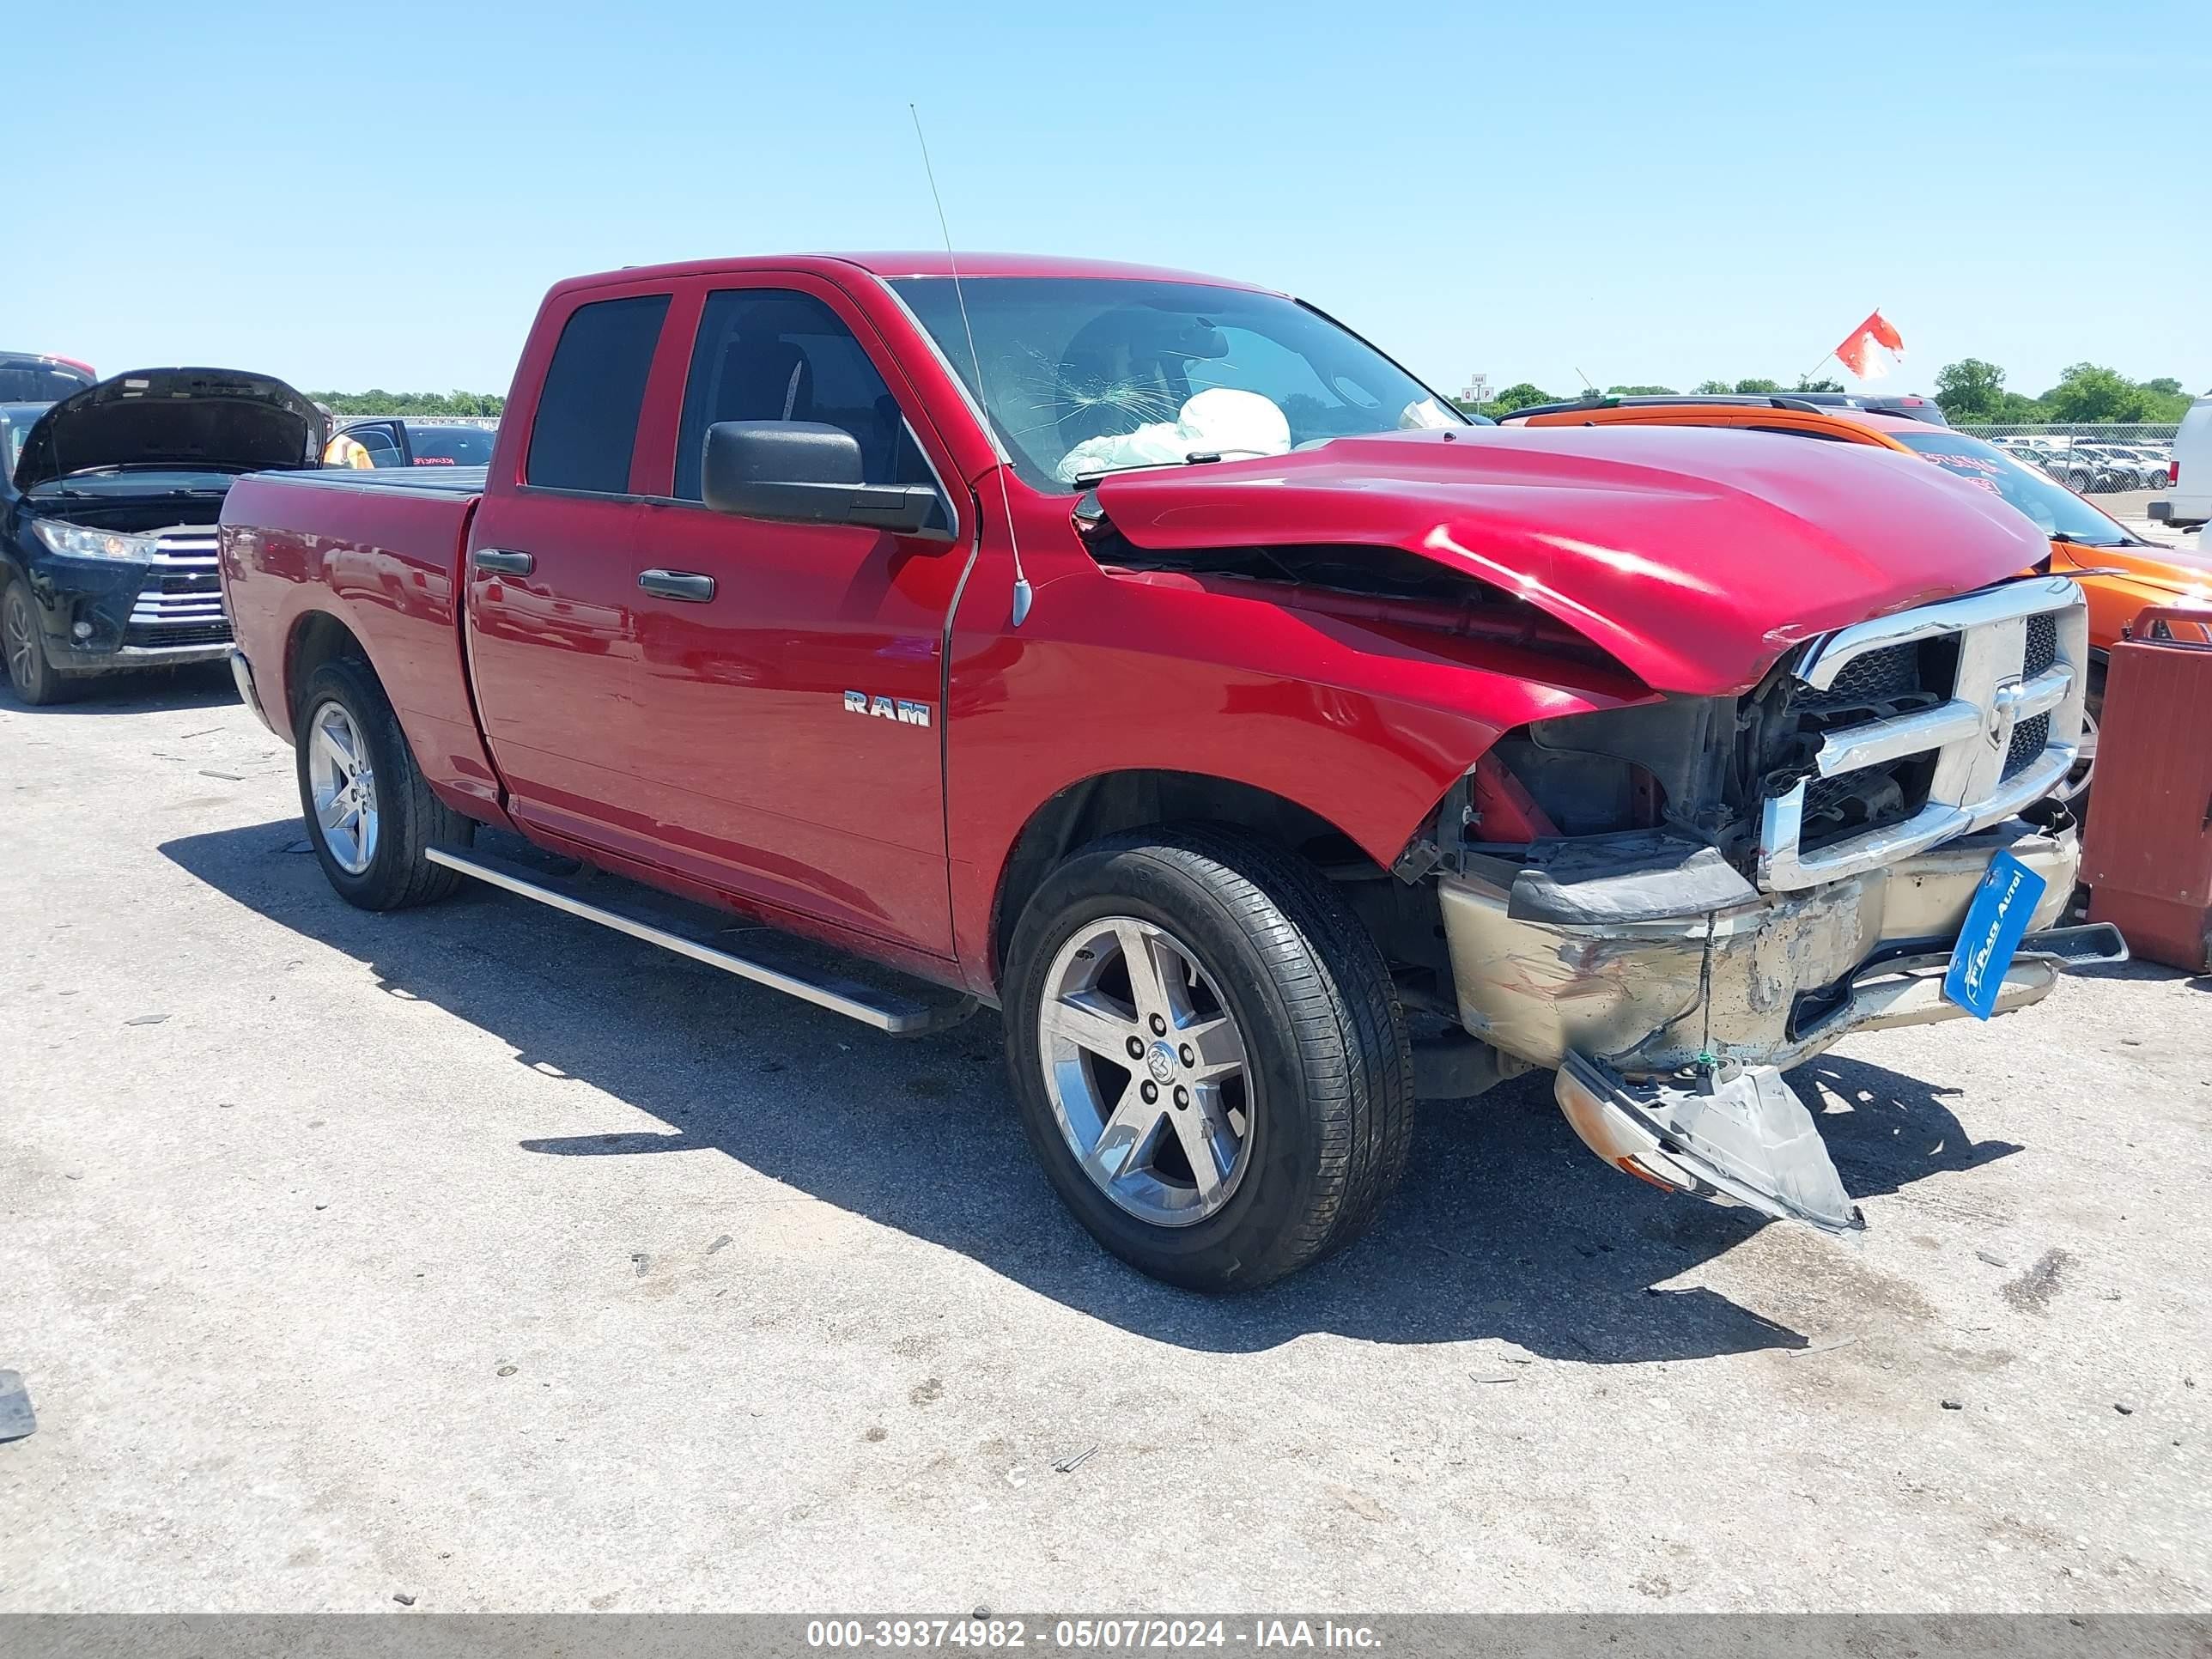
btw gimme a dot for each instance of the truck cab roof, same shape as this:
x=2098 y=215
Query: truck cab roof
x=886 y=265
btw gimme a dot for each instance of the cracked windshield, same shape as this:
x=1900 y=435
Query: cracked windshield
x=1083 y=378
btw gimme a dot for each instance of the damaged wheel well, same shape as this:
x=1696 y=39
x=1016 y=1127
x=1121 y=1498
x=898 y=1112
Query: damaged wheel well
x=1116 y=801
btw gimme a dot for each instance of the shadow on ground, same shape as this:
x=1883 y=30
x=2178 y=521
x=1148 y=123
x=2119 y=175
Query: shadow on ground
x=1505 y=1227
x=2140 y=969
x=201 y=685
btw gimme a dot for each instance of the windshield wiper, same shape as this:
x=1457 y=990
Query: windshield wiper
x=119 y=469
x=2083 y=541
x=1196 y=457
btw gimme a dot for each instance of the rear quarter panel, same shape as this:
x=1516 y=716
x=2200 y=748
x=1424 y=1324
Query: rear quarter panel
x=386 y=562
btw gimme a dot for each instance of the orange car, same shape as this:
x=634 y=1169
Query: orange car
x=2118 y=571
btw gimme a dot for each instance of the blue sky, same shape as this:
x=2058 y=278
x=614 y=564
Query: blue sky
x=375 y=191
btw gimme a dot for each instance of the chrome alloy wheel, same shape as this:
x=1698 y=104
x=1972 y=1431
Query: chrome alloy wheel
x=345 y=785
x=2075 y=784
x=20 y=637
x=1146 y=1071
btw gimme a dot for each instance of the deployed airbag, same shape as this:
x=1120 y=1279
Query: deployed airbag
x=1219 y=421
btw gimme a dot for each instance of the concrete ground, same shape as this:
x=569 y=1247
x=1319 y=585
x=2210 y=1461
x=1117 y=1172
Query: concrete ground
x=475 y=1256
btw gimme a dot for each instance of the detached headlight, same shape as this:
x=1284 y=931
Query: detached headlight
x=78 y=541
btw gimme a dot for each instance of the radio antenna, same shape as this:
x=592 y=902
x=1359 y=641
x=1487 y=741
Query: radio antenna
x=1021 y=594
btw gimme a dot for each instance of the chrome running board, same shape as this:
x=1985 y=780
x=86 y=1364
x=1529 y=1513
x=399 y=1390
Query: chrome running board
x=889 y=1012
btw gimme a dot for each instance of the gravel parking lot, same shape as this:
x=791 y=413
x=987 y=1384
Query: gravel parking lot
x=478 y=1256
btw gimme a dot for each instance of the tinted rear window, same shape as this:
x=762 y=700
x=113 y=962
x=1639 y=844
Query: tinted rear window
x=454 y=446
x=25 y=380
x=586 y=422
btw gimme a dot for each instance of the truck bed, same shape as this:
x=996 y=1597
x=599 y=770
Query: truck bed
x=379 y=554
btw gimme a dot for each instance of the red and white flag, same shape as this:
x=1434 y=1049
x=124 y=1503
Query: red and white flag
x=1872 y=349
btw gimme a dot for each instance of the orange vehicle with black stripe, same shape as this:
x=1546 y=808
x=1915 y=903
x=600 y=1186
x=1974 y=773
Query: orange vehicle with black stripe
x=2119 y=572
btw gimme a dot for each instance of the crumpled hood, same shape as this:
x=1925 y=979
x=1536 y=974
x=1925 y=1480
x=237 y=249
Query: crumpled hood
x=218 y=418
x=1694 y=556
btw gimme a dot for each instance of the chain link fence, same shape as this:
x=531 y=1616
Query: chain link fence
x=2096 y=458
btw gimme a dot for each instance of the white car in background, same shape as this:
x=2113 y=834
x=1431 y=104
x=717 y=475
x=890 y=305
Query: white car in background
x=2147 y=464
x=2101 y=468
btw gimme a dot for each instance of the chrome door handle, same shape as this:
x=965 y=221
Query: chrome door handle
x=492 y=562
x=678 y=585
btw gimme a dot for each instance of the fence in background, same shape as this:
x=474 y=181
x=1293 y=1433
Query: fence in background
x=488 y=423
x=2096 y=457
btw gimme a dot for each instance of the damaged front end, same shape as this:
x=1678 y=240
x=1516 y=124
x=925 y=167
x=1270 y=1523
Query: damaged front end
x=1673 y=903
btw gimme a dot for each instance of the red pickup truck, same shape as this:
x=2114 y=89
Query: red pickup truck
x=1152 y=657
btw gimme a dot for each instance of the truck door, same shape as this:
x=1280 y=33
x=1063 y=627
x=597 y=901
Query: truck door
x=790 y=743
x=552 y=635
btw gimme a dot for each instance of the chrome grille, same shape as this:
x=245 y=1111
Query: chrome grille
x=181 y=602
x=2004 y=734
x=1878 y=677
x=2029 y=740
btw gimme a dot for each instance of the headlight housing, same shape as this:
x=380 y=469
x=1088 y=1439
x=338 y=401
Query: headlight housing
x=78 y=541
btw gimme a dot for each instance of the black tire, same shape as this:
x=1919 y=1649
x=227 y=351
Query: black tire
x=409 y=818
x=2081 y=782
x=31 y=676
x=1329 y=1061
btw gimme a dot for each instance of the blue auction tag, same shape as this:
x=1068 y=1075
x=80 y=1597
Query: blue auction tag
x=1994 y=923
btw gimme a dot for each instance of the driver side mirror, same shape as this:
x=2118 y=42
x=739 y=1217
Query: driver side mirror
x=805 y=472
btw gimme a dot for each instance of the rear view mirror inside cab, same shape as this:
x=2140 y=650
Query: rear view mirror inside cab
x=805 y=472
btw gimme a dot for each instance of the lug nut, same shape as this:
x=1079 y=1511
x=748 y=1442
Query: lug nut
x=1150 y=1093
x=1182 y=1097
x=1159 y=1026
x=1136 y=1049
x=1186 y=1056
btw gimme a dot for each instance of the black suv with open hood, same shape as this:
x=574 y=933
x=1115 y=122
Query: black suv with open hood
x=107 y=548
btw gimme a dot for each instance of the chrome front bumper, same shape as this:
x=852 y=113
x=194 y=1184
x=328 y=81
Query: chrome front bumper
x=1769 y=981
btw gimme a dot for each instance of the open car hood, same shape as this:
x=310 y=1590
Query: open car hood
x=218 y=418
x=1696 y=557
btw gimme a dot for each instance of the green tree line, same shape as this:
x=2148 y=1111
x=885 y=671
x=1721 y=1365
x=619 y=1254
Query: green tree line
x=1973 y=392
x=1525 y=393
x=377 y=401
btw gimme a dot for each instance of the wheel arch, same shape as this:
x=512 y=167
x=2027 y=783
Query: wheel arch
x=1111 y=803
x=314 y=638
